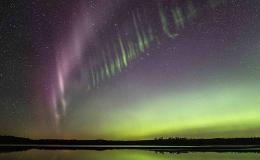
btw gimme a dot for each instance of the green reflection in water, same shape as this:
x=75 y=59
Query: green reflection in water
x=123 y=155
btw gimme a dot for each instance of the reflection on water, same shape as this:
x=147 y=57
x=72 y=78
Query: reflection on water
x=122 y=155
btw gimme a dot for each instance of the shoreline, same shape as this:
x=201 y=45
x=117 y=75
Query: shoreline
x=5 y=148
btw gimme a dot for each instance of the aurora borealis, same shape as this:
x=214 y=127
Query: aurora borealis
x=129 y=69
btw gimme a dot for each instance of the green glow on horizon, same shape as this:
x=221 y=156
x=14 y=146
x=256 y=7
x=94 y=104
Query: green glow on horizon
x=233 y=112
x=212 y=111
x=215 y=110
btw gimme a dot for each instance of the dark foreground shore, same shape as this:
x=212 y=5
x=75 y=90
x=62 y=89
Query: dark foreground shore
x=160 y=149
x=178 y=145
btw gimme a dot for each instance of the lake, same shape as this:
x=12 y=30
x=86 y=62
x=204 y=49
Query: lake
x=123 y=154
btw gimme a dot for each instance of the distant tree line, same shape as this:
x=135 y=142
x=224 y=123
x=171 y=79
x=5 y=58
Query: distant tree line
x=173 y=141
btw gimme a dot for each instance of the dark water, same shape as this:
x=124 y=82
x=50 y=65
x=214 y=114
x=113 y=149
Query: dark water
x=35 y=154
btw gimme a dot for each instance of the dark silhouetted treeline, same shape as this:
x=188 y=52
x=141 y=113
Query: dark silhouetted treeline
x=157 y=141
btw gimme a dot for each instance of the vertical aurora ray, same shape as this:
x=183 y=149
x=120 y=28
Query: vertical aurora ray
x=114 y=59
x=114 y=56
x=191 y=11
x=164 y=23
x=139 y=38
x=124 y=56
x=121 y=54
x=214 y=4
x=130 y=69
x=178 y=18
x=70 y=49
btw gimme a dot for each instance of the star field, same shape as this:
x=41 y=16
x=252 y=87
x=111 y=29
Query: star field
x=121 y=69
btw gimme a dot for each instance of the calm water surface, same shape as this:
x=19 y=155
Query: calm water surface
x=122 y=155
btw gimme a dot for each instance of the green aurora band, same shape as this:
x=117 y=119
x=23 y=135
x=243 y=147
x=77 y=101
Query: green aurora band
x=234 y=112
x=125 y=53
x=224 y=108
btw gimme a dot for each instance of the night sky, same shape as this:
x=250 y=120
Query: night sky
x=130 y=69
